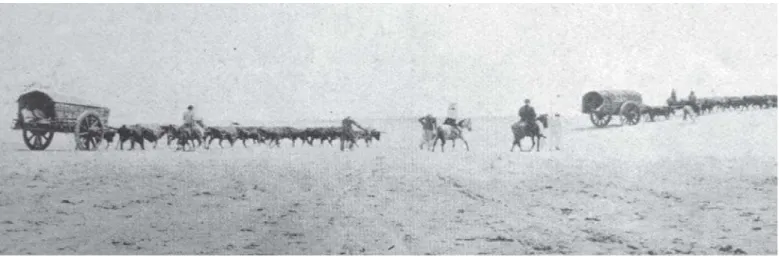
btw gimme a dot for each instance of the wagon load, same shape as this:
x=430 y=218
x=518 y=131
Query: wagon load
x=602 y=105
x=42 y=113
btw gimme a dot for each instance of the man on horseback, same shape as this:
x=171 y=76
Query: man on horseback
x=191 y=120
x=451 y=117
x=528 y=115
x=347 y=133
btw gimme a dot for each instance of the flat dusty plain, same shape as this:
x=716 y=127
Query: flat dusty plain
x=669 y=187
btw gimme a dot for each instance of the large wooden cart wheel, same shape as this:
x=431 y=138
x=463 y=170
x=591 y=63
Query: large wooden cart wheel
x=88 y=131
x=600 y=120
x=631 y=113
x=37 y=140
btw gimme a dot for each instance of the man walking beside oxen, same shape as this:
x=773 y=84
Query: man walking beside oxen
x=347 y=133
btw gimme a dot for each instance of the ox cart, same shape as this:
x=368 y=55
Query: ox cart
x=41 y=114
x=602 y=105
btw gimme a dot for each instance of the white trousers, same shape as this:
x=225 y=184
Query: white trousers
x=555 y=135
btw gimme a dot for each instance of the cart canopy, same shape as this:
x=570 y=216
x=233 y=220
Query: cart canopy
x=45 y=101
x=611 y=100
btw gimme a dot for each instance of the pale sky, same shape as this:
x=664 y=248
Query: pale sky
x=241 y=62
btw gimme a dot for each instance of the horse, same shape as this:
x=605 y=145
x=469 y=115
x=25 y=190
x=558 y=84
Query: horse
x=187 y=135
x=448 y=132
x=519 y=129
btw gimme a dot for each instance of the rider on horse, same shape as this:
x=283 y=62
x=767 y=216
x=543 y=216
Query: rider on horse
x=191 y=120
x=451 y=117
x=528 y=115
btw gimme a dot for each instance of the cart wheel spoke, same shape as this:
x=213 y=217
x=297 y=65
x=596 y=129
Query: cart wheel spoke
x=89 y=131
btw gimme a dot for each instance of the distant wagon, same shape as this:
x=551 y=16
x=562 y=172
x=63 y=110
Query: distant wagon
x=602 y=105
x=40 y=114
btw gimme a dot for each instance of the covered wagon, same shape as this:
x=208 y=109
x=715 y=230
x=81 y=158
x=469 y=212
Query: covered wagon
x=42 y=113
x=602 y=105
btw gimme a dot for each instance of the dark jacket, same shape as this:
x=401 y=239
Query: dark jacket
x=527 y=113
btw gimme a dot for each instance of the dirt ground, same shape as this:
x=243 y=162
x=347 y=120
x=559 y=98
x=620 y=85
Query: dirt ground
x=669 y=187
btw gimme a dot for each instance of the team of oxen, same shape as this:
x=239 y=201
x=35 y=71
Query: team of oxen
x=187 y=137
x=711 y=104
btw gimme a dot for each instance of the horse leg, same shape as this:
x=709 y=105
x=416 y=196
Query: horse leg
x=519 y=144
x=537 y=143
x=467 y=148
